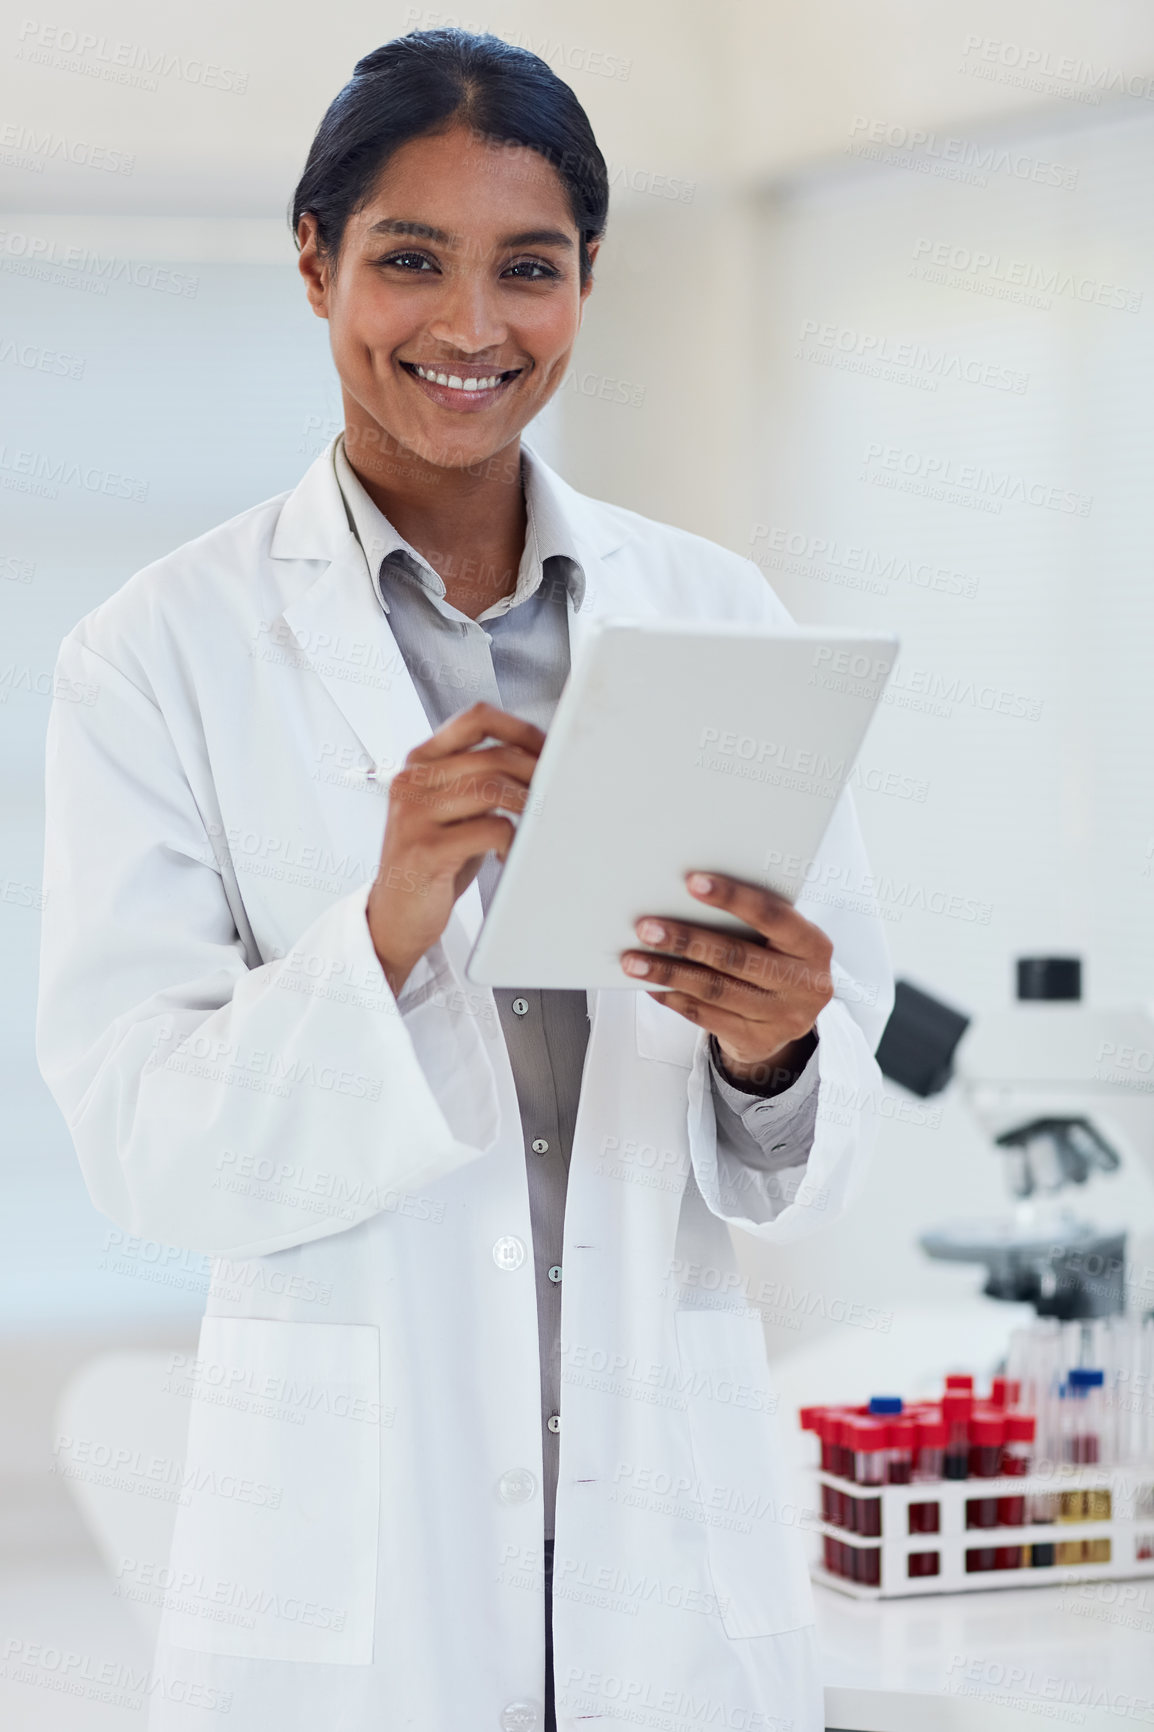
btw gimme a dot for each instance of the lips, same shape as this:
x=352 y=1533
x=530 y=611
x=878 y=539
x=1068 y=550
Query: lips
x=456 y=387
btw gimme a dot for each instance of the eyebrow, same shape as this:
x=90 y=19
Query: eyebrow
x=424 y=231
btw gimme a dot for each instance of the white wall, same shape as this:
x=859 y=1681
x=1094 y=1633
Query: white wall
x=1023 y=705
x=217 y=397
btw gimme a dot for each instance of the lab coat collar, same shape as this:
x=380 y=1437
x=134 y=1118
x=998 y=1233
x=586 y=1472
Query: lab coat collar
x=343 y=635
x=313 y=522
x=546 y=535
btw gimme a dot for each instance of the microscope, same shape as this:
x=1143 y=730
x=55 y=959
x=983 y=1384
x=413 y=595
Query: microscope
x=1065 y=1093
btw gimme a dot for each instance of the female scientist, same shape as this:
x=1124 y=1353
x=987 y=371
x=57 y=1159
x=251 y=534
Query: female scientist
x=476 y=1341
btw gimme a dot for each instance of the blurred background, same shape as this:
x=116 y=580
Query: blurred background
x=876 y=309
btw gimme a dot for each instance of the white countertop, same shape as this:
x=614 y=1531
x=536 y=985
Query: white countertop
x=994 y=1661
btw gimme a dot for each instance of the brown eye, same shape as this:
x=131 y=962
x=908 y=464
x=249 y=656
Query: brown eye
x=538 y=266
x=414 y=262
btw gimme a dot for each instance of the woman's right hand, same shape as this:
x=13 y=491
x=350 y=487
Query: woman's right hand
x=442 y=821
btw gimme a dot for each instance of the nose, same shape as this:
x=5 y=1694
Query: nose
x=467 y=317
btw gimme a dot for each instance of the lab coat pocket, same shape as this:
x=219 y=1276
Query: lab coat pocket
x=274 y=1554
x=662 y=1034
x=756 y=1551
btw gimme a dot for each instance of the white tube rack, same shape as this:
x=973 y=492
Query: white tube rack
x=1130 y=1530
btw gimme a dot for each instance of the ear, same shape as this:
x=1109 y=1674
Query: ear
x=313 y=266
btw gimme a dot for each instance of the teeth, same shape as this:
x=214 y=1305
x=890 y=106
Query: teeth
x=457 y=384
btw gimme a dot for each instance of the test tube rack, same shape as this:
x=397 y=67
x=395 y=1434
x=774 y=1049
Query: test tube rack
x=1129 y=1529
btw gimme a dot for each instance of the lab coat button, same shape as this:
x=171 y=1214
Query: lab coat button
x=540 y=1146
x=509 y=1252
x=554 y=1422
x=555 y=1273
x=520 y=1007
x=520 y=1717
x=516 y=1486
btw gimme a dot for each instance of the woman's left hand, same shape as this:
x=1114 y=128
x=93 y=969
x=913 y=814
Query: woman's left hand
x=759 y=997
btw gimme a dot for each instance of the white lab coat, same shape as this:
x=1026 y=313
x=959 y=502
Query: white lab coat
x=361 y=1544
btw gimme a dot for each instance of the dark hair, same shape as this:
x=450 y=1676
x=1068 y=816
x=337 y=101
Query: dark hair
x=426 y=82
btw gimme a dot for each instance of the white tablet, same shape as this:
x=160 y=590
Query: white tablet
x=674 y=747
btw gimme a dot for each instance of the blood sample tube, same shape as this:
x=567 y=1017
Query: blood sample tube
x=960 y=1380
x=1017 y=1452
x=824 y=1428
x=957 y=1406
x=903 y=1448
x=842 y=1503
x=932 y=1437
x=925 y=1518
x=987 y=1426
x=923 y=1564
x=884 y=1406
x=870 y=1442
x=1005 y=1392
x=1082 y=1416
x=810 y=1419
x=842 y=1453
x=987 y=1434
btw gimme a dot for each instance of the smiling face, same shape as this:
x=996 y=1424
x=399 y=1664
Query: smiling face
x=455 y=300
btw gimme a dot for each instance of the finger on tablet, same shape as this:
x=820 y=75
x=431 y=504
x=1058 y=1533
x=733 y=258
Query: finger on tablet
x=764 y=910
